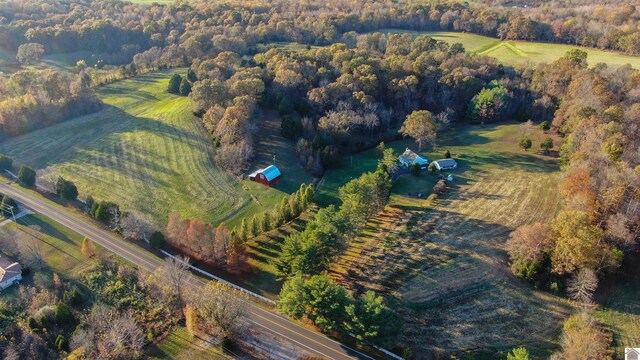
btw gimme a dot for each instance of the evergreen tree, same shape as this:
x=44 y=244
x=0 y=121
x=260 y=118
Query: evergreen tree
x=185 y=87
x=174 y=84
x=285 y=210
x=191 y=76
x=266 y=222
x=63 y=314
x=244 y=230
x=255 y=226
x=27 y=176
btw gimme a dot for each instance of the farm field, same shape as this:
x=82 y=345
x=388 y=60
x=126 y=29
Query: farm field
x=443 y=262
x=522 y=52
x=145 y=151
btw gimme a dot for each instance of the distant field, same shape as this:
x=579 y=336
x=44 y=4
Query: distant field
x=523 y=52
x=144 y=151
x=443 y=263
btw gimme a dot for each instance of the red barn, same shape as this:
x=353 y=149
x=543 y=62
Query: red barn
x=268 y=176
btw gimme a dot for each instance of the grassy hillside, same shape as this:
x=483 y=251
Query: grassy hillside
x=523 y=52
x=144 y=151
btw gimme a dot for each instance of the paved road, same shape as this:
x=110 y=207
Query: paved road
x=304 y=338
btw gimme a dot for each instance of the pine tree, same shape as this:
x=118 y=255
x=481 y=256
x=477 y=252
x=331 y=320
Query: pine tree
x=255 y=226
x=309 y=195
x=266 y=222
x=244 y=230
x=285 y=210
x=185 y=87
x=294 y=205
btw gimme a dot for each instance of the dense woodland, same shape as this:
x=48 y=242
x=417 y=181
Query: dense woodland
x=349 y=89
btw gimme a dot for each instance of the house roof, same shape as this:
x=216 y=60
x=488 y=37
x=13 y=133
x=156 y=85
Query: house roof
x=8 y=269
x=446 y=162
x=409 y=157
x=270 y=172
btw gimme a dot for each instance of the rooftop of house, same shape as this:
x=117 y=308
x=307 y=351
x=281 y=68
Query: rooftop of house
x=8 y=268
x=446 y=162
x=411 y=157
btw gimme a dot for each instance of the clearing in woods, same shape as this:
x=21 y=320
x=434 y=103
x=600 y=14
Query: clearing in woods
x=144 y=151
x=514 y=52
x=443 y=262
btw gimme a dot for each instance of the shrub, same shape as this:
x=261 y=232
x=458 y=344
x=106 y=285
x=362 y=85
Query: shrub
x=32 y=323
x=157 y=240
x=66 y=189
x=45 y=316
x=440 y=187
x=27 y=176
x=432 y=167
x=73 y=297
x=174 y=84
x=63 y=314
x=105 y=211
x=6 y=163
x=447 y=154
x=62 y=343
x=415 y=169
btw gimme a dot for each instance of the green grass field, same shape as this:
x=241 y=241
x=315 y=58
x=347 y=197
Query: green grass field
x=147 y=152
x=523 y=52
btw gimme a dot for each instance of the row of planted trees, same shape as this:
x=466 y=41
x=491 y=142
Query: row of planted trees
x=306 y=257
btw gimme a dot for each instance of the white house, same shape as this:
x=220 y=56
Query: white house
x=408 y=158
x=10 y=272
x=445 y=164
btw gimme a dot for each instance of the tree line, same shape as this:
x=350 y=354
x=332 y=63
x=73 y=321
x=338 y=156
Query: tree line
x=598 y=226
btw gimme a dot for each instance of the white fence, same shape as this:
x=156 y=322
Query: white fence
x=222 y=280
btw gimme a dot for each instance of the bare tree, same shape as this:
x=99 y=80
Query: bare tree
x=46 y=179
x=134 y=227
x=174 y=275
x=582 y=286
x=221 y=308
x=124 y=338
x=108 y=334
x=30 y=247
x=8 y=240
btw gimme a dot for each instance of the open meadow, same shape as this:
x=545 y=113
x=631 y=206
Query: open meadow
x=443 y=262
x=148 y=153
x=515 y=52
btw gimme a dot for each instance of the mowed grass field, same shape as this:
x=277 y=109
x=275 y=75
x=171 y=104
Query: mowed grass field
x=145 y=151
x=443 y=263
x=523 y=52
